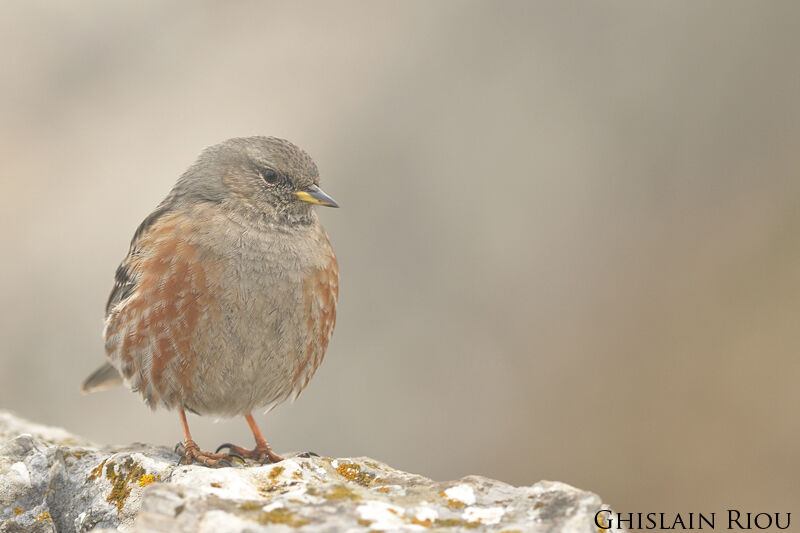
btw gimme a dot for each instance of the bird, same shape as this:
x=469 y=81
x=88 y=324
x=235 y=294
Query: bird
x=226 y=300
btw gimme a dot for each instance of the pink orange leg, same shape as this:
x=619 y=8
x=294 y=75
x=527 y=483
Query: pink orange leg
x=262 y=452
x=191 y=451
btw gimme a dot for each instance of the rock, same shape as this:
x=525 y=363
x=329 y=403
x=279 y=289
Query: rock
x=52 y=481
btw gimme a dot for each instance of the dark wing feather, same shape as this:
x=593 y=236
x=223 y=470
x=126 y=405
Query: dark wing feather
x=124 y=284
x=124 y=281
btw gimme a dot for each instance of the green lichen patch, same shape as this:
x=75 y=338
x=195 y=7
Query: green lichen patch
x=340 y=492
x=251 y=506
x=73 y=455
x=254 y=511
x=455 y=522
x=120 y=478
x=281 y=516
x=97 y=472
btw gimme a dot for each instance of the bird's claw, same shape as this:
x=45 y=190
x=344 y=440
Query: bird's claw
x=237 y=457
x=306 y=455
x=190 y=453
x=225 y=445
x=262 y=455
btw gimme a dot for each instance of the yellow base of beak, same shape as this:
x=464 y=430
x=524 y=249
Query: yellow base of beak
x=315 y=195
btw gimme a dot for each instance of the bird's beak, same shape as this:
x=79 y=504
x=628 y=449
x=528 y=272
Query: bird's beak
x=315 y=195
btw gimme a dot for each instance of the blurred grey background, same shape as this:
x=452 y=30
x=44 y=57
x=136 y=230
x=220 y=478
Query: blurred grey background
x=568 y=235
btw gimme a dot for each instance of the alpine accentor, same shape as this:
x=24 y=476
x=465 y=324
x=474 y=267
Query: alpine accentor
x=226 y=300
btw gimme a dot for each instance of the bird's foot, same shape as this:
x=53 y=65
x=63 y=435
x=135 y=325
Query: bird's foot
x=306 y=455
x=190 y=453
x=261 y=453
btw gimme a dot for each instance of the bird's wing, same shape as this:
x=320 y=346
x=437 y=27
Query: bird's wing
x=126 y=277
x=162 y=293
x=125 y=281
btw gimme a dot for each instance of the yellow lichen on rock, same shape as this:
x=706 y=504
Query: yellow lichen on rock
x=251 y=506
x=120 y=476
x=276 y=472
x=455 y=522
x=281 y=516
x=340 y=492
x=146 y=479
x=96 y=472
x=353 y=472
x=451 y=503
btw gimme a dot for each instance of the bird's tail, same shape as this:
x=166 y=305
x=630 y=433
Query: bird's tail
x=103 y=378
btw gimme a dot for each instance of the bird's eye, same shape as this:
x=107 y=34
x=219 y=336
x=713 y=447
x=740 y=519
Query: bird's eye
x=269 y=175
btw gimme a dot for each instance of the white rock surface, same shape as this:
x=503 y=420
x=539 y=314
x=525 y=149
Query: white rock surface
x=52 y=481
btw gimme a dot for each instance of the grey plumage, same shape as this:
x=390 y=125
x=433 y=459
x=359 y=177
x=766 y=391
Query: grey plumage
x=234 y=253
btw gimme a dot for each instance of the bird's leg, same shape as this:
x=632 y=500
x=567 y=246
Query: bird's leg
x=262 y=448
x=261 y=453
x=190 y=452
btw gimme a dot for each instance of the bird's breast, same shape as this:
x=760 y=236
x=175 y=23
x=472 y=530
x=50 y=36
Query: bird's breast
x=278 y=294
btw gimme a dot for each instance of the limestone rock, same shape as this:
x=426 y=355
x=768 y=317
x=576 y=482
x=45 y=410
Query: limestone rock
x=52 y=481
